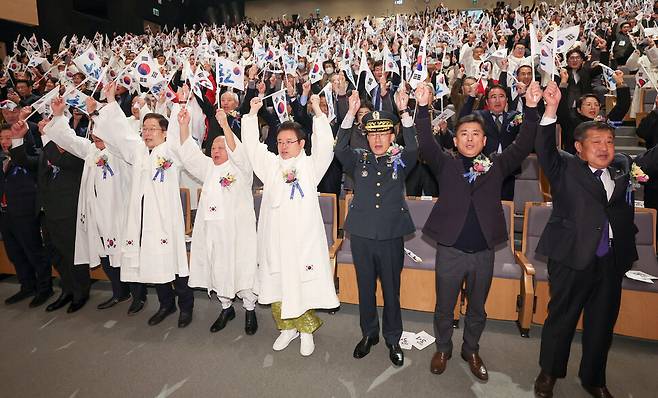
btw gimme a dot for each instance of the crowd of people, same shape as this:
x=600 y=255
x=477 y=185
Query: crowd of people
x=100 y=135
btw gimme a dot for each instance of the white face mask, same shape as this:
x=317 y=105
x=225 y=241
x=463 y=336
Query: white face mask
x=245 y=54
x=329 y=70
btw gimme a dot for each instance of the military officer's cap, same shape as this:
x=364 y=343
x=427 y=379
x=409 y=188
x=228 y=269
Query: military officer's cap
x=379 y=121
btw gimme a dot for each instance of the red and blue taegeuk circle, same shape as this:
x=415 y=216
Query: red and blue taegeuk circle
x=143 y=69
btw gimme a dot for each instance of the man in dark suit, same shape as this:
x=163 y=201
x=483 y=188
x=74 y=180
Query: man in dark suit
x=378 y=218
x=590 y=243
x=500 y=127
x=18 y=221
x=58 y=185
x=467 y=222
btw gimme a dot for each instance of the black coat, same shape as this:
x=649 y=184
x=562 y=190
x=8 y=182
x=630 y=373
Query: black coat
x=19 y=184
x=449 y=213
x=59 y=183
x=504 y=137
x=580 y=206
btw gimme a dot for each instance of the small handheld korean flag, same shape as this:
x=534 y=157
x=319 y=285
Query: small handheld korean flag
x=609 y=76
x=420 y=69
x=279 y=101
x=534 y=47
x=77 y=99
x=89 y=63
x=389 y=62
x=229 y=73
x=35 y=61
x=145 y=70
x=317 y=72
x=566 y=38
x=370 y=82
x=8 y=104
x=441 y=89
x=42 y=105
x=329 y=97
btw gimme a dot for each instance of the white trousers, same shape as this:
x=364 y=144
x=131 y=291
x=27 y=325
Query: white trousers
x=248 y=300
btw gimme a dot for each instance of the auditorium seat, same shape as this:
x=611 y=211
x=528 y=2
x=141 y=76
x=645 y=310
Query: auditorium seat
x=526 y=189
x=639 y=302
x=512 y=291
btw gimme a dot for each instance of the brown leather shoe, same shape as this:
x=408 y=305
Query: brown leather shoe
x=477 y=366
x=439 y=362
x=598 y=392
x=544 y=385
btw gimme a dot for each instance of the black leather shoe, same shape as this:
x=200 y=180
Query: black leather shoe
x=363 y=347
x=136 y=306
x=395 y=354
x=111 y=302
x=544 y=385
x=161 y=315
x=76 y=305
x=61 y=301
x=224 y=316
x=41 y=298
x=250 y=322
x=20 y=296
x=598 y=392
x=184 y=319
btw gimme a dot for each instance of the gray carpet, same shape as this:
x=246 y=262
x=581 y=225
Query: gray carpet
x=107 y=354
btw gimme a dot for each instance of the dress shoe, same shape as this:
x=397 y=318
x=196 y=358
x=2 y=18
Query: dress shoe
x=136 y=306
x=41 y=298
x=226 y=315
x=250 y=322
x=61 y=301
x=477 y=366
x=284 y=339
x=184 y=319
x=161 y=315
x=439 y=362
x=20 y=296
x=76 y=305
x=395 y=354
x=111 y=302
x=544 y=385
x=307 y=345
x=363 y=347
x=598 y=392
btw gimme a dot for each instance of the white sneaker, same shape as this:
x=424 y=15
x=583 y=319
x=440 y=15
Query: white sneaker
x=284 y=339
x=307 y=345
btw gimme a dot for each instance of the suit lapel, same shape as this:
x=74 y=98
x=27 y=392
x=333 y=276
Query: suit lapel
x=621 y=185
x=590 y=183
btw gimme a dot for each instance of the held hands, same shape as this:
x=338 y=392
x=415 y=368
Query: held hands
x=255 y=105
x=58 y=106
x=533 y=94
x=552 y=97
x=423 y=95
x=315 y=104
x=354 y=103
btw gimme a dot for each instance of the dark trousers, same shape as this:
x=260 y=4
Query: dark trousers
x=381 y=259
x=453 y=266
x=22 y=239
x=420 y=181
x=119 y=289
x=60 y=239
x=167 y=293
x=594 y=291
x=332 y=179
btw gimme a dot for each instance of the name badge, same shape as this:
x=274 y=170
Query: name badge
x=622 y=43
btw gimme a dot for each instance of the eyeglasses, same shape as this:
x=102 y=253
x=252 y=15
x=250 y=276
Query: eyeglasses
x=153 y=130
x=285 y=143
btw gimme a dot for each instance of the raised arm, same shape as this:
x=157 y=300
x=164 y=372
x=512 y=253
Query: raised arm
x=322 y=139
x=260 y=158
x=429 y=149
x=22 y=148
x=623 y=104
x=112 y=127
x=189 y=152
x=234 y=148
x=346 y=155
x=514 y=154
x=545 y=145
x=60 y=132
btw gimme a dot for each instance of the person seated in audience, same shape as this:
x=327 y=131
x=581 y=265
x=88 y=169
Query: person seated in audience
x=378 y=218
x=223 y=252
x=294 y=274
x=467 y=222
x=588 y=108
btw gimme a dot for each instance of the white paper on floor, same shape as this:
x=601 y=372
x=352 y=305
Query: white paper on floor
x=407 y=340
x=640 y=276
x=420 y=340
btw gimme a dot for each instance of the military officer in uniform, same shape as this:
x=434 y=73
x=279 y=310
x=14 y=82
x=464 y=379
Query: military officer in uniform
x=378 y=218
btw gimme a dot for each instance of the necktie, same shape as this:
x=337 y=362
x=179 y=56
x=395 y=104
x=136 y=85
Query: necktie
x=604 y=244
x=378 y=99
x=498 y=121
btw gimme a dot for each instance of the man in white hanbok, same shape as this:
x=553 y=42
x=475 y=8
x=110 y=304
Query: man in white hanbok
x=100 y=221
x=294 y=273
x=223 y=253
x=153 y=241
